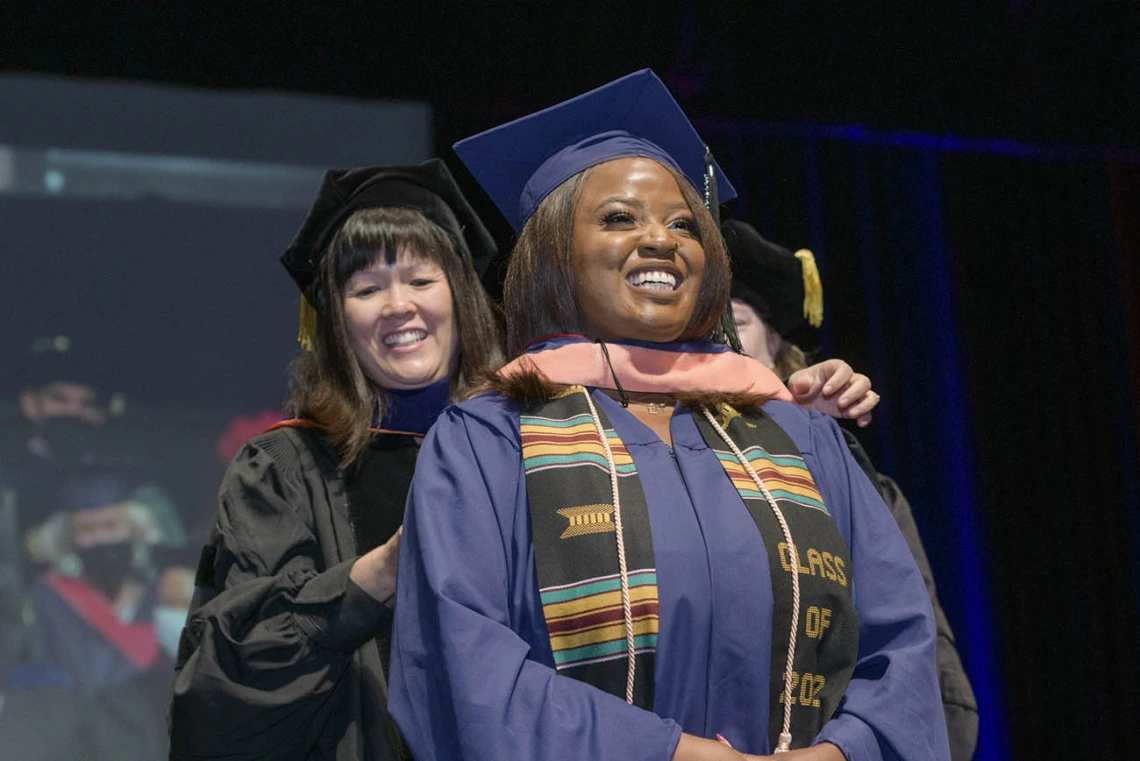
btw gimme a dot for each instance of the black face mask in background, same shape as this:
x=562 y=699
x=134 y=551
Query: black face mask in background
x=69 y=440
x=106 y=566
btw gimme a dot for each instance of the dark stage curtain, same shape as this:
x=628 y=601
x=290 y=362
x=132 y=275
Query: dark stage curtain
x=992 y=291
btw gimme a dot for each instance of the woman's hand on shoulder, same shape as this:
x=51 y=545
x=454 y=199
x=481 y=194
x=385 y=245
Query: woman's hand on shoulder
x=375 y=571
x=835 y=389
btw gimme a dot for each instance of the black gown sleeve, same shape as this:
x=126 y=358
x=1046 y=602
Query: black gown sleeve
x=958 y=702
x=265 y=659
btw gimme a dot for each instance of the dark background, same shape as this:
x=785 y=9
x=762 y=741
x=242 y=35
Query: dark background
x=1032 y=69
x=991 y=294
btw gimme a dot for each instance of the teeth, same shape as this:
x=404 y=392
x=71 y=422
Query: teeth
x=657 y=280
x=404 y=337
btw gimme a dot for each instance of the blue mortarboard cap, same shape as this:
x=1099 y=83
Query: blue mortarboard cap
x=521 y=162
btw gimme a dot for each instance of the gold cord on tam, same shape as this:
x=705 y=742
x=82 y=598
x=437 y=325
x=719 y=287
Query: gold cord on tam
x=307 y=330
x=813 y=288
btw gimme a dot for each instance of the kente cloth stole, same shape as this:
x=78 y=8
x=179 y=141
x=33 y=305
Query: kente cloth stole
x=827 y=632
x=571 y=511
x=571 y=514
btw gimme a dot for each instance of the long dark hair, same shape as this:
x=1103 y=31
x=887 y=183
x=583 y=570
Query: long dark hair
x=540 y=292
x=327 y=384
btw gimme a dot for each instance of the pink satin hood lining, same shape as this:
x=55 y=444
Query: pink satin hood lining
x=645 y=370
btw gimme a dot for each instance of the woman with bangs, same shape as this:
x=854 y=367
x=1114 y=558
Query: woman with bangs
x=284 y=654
x=633 y=546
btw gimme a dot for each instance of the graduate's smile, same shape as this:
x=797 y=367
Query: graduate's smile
x=638 y=261
x=662 y=277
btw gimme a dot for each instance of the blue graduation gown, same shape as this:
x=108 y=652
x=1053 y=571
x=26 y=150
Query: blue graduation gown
x=472 y=674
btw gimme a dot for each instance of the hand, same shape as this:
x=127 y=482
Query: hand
x=693 y=748
x=745 y=756
x=834 y=389
x=825 y=751
x=822 y=752
x=375 y=571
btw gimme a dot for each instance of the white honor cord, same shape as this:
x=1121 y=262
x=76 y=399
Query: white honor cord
x=627 y=609
x=785 y=743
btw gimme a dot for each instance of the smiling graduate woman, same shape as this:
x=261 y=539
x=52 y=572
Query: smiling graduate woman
x=284 y=652
x=635 y=544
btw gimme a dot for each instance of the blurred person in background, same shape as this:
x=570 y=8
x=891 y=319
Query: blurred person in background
x=53 y=421
x=89 y=618
x=58 y=410
x=92 y=608
x=60 y=423
x=42 y=719
x=127 y=721
x=777 y=303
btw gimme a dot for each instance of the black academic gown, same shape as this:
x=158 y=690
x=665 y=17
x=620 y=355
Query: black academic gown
x=958 y=702
x=281 y=657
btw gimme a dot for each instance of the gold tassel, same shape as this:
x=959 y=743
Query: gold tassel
x=307 y=331
x=813 y=288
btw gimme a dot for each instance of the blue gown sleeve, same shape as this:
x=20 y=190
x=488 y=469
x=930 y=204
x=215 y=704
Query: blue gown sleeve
x=892 y=709
x=465 y=681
